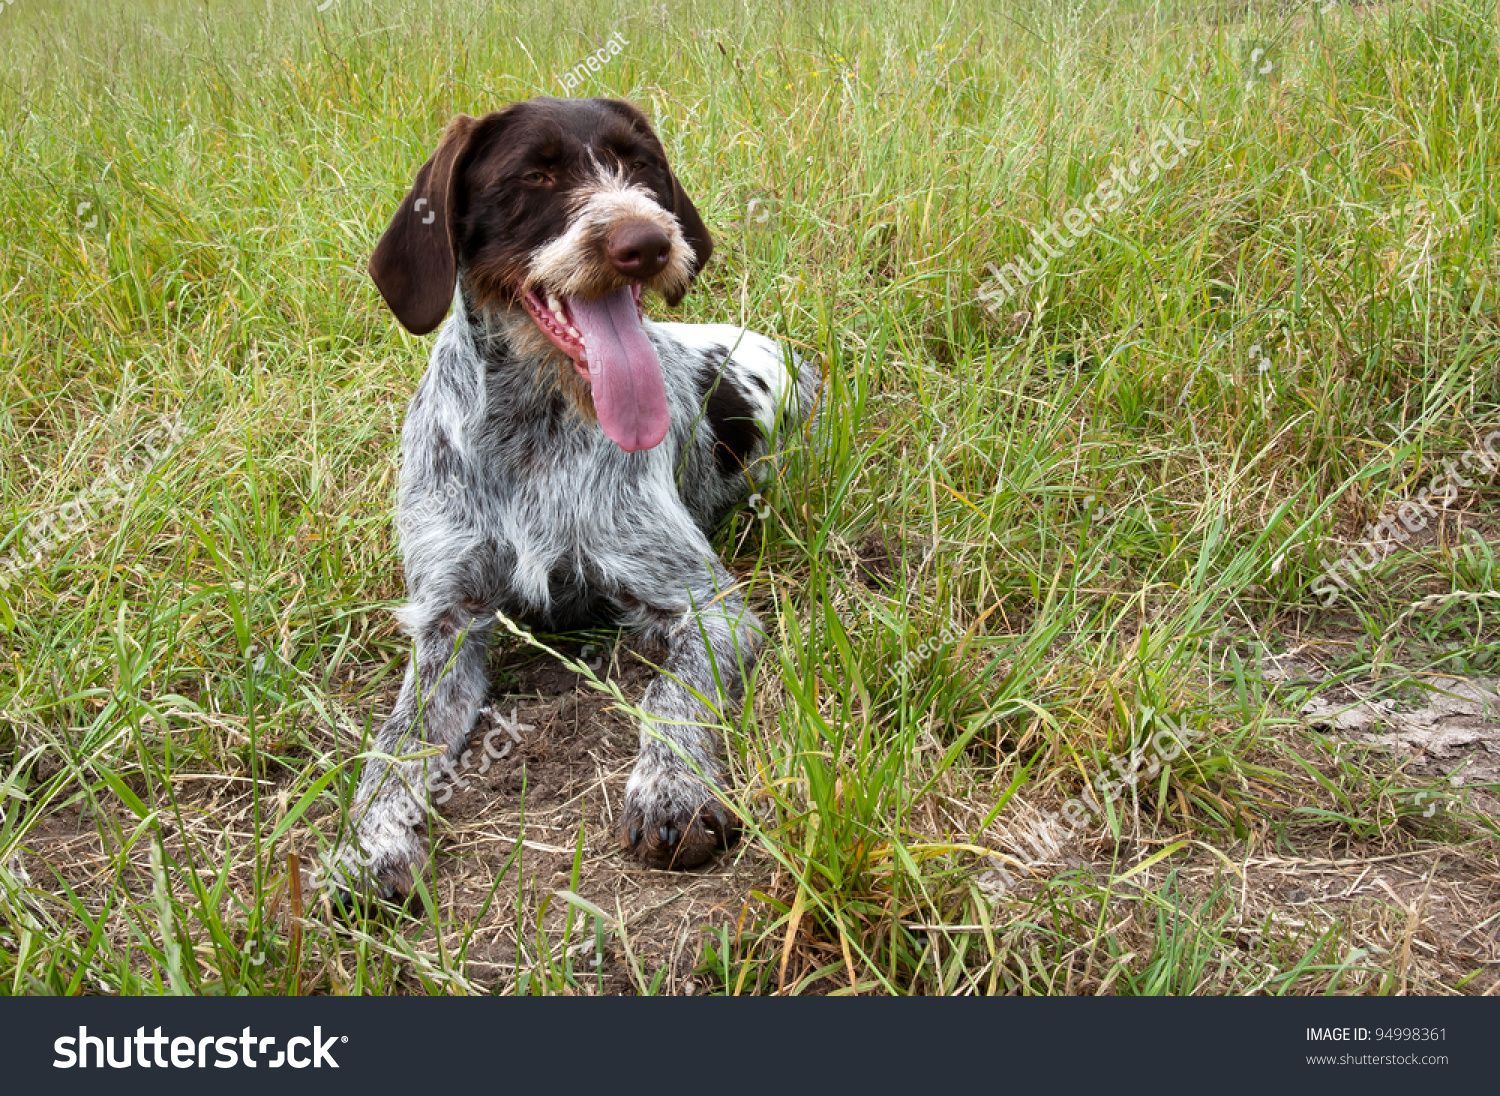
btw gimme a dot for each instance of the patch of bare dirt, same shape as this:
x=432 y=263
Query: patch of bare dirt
x=566 y=773
x=569 y=771
x=882 y=559
x=1450 y=731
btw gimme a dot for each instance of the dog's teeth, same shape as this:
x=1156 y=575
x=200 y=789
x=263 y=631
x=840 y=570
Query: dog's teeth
x=554 y=304
x=574 y=332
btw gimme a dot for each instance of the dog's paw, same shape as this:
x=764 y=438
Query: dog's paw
x=672 y=820
x=380 y=863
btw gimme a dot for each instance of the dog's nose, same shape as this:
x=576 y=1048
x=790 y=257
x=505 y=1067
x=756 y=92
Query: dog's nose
x=638 y=250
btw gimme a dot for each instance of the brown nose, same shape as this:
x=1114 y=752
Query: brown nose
x=638 y=250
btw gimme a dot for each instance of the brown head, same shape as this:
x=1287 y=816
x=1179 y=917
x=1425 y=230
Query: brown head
x=568 y=210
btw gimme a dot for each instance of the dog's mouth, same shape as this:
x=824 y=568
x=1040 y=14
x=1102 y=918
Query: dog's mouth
x=605 y=339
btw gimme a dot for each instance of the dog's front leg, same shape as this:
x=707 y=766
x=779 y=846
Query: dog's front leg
x=672 y=817
x=444 y=686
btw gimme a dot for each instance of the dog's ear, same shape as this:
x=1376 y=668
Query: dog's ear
x=693 y=230
x=415 y=264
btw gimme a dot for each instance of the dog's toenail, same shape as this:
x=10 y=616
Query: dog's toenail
x=635 y=834
x=669 y=835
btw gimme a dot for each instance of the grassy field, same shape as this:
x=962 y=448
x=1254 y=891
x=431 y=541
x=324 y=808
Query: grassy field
x=1040 y=535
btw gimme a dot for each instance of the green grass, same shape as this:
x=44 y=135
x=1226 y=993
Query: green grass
x=1099 y=491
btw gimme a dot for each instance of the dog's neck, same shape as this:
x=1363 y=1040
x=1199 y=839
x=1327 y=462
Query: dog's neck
x=487 y=327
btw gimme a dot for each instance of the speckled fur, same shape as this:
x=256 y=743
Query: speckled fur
x=555 y=525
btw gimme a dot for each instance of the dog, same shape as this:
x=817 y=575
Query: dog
x=582 y=453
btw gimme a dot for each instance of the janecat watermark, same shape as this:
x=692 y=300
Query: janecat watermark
x=1398 y=523
x=1107 y=197
x=1048 y=836
x=433 y=503
x=950 y=634
x=573 y=77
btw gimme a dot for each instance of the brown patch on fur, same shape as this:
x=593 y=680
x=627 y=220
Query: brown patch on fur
x=492 y=285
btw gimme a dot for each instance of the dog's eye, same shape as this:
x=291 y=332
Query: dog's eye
x=534 y=178
x=639 y=165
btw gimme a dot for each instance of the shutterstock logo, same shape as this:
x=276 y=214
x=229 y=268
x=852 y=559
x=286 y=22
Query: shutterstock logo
x=184 y=1052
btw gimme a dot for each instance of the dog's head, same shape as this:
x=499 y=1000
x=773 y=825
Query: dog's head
x=567 y=208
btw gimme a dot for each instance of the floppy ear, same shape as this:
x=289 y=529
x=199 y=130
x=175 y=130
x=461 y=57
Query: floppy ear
x=414 y=265
x=693 y=230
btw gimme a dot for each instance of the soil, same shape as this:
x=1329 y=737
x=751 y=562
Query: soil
x=569 y=770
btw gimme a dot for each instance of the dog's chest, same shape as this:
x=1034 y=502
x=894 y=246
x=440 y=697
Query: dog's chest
x=552 y=513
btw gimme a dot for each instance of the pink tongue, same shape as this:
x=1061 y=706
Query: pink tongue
x=624 y=371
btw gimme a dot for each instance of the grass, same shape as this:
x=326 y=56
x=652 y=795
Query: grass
x=1104 y=505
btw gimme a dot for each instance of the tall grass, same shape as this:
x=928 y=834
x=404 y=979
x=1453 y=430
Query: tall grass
x=1116 y=492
